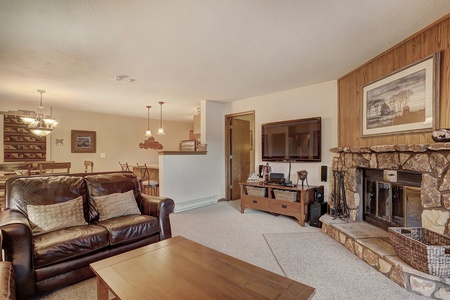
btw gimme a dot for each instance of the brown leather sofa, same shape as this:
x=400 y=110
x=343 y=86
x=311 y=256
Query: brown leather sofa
x=7 y=279
x=61 y=257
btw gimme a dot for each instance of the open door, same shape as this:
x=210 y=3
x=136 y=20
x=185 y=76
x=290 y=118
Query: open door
x=239 y=150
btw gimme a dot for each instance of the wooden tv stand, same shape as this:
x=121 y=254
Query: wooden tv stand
x=267 y=202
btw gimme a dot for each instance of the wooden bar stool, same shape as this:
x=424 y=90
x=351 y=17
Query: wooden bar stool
x=148 y=186
x=124 y=166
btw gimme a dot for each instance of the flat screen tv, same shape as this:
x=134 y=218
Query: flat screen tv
x=293 y=140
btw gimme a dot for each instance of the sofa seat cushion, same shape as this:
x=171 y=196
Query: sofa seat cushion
x=127 y=229
x=68 y=243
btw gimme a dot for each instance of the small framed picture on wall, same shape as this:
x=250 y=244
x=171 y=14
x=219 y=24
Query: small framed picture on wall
x=83 y=141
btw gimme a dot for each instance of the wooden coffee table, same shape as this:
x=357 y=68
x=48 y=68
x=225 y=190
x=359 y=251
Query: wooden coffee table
x=179 y=268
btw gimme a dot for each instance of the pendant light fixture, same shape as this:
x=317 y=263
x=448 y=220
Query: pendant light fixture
x=161 y=129
x=41 y=125
x=148 y=132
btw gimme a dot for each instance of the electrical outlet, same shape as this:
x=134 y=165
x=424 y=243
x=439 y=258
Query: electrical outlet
x=102 y=155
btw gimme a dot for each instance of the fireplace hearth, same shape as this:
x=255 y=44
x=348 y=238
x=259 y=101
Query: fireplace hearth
x=420 y=196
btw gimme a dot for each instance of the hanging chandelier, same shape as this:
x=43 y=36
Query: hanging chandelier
x=41 y=125
x=161 y=129
x=148 y=132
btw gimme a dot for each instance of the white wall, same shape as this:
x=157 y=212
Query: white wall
x=196 y=180
x=193 y=180
x=117 y=136
x=318 y=100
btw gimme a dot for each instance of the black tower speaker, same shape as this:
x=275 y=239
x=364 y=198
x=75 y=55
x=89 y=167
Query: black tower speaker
x=323 y=173
x=316 y=210
x=318 y=194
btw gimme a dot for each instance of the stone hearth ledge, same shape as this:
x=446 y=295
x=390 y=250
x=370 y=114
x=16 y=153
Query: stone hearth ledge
x=392 y=148
x=372 y=245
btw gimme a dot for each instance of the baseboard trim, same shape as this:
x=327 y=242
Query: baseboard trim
x=195 y=203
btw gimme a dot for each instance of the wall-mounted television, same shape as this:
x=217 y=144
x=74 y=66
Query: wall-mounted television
x=293 y=140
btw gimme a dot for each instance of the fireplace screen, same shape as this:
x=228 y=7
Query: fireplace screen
x=391 y=204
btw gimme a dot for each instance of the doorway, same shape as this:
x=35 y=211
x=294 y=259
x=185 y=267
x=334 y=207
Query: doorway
x=239 y=151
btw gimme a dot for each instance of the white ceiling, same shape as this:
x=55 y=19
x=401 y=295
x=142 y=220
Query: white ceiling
x=185 y=51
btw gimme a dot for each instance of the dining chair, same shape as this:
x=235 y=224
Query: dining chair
x=88 y=164
x=50 y=167
x=124 y=166
x=148 y=186
x=17 y=168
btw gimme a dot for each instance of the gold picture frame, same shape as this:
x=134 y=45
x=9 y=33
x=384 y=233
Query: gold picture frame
x=83 y=141
x=404 y=101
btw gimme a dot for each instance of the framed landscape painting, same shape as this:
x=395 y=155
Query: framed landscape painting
x=405 y=101
x=83 y=141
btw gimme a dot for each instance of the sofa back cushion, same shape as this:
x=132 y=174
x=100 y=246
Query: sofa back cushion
x=107 y=184
x=45 y=190
x=50 y=217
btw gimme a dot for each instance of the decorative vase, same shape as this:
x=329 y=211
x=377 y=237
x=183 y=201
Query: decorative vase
x=302 y=176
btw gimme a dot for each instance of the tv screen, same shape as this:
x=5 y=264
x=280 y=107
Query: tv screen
x=294 y=140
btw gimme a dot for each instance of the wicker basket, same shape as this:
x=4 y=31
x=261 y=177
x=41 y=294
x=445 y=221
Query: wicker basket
x=256 y=191
x=423 y=249
x=285 y=195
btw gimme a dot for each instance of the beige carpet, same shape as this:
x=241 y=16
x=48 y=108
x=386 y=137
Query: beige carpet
x=277 y=244
x=336 y=273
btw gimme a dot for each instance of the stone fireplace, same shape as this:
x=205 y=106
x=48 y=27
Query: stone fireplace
x=428 y=161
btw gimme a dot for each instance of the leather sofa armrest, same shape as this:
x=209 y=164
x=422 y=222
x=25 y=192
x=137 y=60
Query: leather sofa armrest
x=161 y=208
x=18 y=246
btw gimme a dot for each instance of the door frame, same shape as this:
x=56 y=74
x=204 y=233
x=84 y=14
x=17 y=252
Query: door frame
x=228 y=119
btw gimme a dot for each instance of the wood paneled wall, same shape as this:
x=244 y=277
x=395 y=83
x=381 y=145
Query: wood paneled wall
x=435 y=37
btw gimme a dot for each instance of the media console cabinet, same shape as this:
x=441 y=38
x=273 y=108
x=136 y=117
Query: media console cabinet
x=277 y=199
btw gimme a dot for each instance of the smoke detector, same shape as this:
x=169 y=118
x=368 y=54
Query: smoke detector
x=119 y=77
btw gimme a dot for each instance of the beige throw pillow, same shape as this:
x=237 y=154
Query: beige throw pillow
x=116 y=205
x=44 y=218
